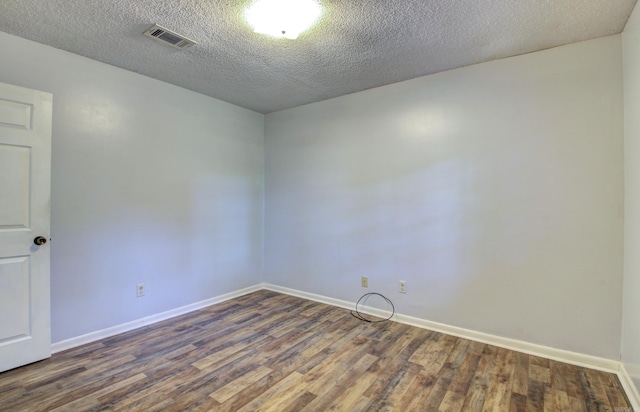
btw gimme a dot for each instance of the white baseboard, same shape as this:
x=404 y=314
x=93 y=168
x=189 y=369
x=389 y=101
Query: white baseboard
x=593 y=362
x=126 y=327
x=578 y=359
x=629 y=388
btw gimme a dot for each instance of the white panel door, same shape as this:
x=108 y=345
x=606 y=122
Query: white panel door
x=25 y=173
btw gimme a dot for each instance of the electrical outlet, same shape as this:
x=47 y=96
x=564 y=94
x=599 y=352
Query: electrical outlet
x=364 y=282
x=140 y=290
x=402 y=286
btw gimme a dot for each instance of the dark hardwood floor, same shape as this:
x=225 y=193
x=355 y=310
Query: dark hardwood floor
x=268 y=351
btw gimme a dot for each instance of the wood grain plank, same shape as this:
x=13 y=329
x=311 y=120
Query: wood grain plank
x=452 y=402
x=439 y=390
x=331 y=386
x=465 y=370
x=499 y=388
x=230 y=389
x=477 y=393
x=276 y=395
x=258 y=388
x=535 y=397
x=518 y=402
x=556 y=400
x=600 y=398
x=521 y=375
x=269 y=351
x=350 y=397
x=316 y=380
x=416 y=395
x=617 y=398
x=91 y=399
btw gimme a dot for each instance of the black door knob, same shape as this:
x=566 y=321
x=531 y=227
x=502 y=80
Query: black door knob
x=40 y=240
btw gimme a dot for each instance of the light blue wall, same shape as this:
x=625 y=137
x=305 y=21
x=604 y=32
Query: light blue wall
x=151 y=184
x=495 y=191
x=631 y=283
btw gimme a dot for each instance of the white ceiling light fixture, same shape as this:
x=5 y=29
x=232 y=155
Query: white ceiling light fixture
x=283 y=18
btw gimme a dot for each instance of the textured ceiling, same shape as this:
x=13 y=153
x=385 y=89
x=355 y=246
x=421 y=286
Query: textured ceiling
x=357 y=45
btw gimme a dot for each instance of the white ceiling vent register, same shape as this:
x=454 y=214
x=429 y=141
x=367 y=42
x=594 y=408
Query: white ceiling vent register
x=168 y=37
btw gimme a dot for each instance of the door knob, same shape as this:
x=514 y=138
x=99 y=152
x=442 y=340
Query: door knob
x=40 y=240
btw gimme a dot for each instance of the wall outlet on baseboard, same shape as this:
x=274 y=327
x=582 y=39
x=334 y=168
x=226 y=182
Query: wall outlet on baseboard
x=402 y=286
x=364 y=282
x=140 y=290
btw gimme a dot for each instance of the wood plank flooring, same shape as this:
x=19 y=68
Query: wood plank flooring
x=272 y=352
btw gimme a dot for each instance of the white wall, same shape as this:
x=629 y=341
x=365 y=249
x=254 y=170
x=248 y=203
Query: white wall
x=495 y=191
x=151 y=184
x=631 y=282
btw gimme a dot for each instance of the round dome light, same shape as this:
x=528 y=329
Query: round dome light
x=283 y=18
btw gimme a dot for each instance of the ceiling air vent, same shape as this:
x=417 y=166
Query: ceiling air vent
x=169 y=37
